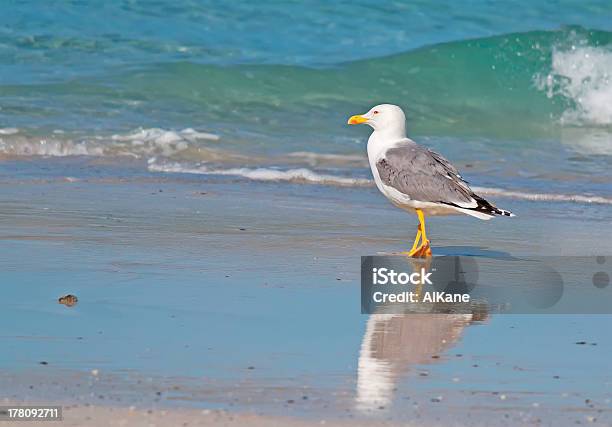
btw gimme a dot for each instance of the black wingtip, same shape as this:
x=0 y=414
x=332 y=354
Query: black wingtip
x=486 y=207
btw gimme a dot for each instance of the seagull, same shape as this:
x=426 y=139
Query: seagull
x=416 y=179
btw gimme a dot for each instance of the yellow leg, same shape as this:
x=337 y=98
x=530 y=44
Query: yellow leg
x=420 y=250
x=416 y=239
x=416 y=243
x=422 y=224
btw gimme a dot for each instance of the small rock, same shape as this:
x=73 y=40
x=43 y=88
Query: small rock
x=68 y=300
x=43 y=362
x=581 y=342
x=95 y=372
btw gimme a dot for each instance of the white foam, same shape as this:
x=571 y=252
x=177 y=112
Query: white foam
x=582 y=74
x=303 y=175
x=23 y=146
x=139 y=143
x=162 y=136
x=8 y=131
x=264 y=174
x=543 y=197
x=162 y=142
x=314 y=159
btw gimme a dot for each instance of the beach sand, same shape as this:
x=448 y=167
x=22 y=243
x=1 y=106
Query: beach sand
x=241 y=299
x=99 y=416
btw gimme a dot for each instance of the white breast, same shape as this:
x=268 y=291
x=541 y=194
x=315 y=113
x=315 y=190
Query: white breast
x=376 y=151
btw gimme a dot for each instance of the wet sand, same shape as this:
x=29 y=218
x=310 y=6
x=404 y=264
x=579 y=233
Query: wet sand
x=99 y=416
x=237 y=297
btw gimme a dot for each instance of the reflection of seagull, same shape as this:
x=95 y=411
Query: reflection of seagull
x=415 y=178
x=393 y=343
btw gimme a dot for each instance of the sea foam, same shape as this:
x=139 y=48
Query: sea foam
x=8 y=131
x=299 y=175
x=140 y=143
x=583 y=75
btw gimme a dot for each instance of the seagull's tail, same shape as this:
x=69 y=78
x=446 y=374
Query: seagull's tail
x=503 y=212
x=483 y=209
x=489 y=209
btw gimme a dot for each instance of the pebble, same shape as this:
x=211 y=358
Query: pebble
x=68 y=300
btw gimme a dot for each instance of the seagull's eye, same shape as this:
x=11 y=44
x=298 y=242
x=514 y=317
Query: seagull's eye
x=375 y=112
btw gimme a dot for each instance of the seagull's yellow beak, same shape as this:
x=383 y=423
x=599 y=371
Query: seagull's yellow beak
x=357 y=120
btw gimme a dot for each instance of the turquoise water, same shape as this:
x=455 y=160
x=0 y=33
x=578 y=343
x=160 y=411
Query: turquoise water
x=203 y=86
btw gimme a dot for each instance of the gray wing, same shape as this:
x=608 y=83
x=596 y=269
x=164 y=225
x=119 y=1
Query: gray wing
x=424 y=175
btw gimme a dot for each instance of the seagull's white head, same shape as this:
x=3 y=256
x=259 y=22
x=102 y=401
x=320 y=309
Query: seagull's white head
x=385 y=118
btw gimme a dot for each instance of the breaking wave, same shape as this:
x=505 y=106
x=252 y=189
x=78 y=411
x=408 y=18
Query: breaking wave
x=510 y=86
x=583 y=75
